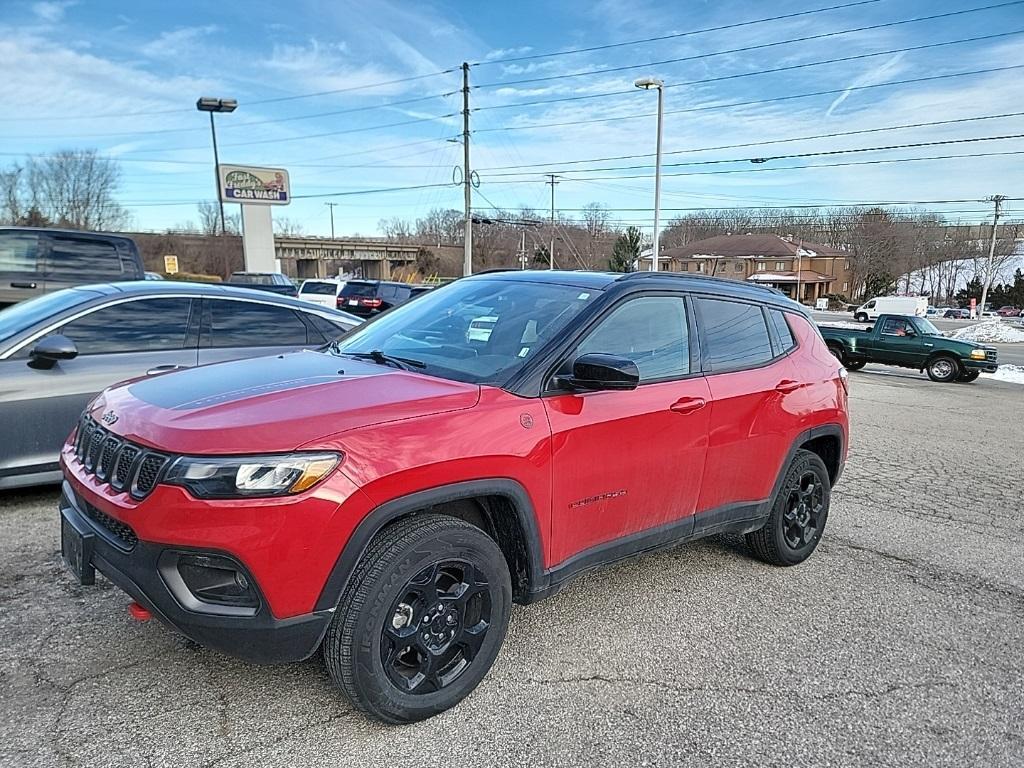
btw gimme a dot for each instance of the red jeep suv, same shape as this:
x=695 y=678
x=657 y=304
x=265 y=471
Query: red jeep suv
x=388 y=497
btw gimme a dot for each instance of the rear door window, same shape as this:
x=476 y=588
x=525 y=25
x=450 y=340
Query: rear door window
x=19 y=252
x=147 y=325
x=248 y=324
x=83 y=259
x=733 y=335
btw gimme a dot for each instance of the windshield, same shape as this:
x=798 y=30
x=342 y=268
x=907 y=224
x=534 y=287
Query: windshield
x=477 y=331
x=17 y=318
x=926 y=328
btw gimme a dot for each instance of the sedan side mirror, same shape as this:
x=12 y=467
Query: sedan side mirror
x=48 y=351
x=596 y=372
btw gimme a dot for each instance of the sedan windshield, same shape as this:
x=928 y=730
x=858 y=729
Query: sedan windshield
x=19 y=317
x=477 y=331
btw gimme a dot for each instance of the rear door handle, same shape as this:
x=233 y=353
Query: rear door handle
x=165 y=369
x=23 y=284
x=686 y=405
x=788 y=385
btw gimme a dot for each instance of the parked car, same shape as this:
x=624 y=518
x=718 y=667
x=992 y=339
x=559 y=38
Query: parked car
x=1008 y=311
x=322 y=291
x=367 y=298
x=389 y=497
x=910 y=342
x=893 y=305
x=58 y=351
x=272 y=282
x=37 y=260
x=419 y=290
x=152 y=276
x=957 y=314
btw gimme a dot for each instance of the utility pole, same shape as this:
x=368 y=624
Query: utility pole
x=467 y=259
x=331 y=206
x=551 y=251
x=522 y=250
x=998 y=200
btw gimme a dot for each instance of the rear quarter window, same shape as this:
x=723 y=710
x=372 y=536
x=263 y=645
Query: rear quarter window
x=78 y=258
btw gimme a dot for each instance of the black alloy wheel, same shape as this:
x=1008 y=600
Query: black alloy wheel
x=421 y=620
x=798 y=513
x=804 y=509
x=437 y=627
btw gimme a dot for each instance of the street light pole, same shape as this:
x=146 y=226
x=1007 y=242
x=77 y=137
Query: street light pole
x=646 y=83
x=212 y=105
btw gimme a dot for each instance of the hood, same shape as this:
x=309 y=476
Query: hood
x=271 y=404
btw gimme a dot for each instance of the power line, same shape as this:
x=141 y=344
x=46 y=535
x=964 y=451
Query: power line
x=763 y=143
x=673 y=36
x=236 y=125
x=275 y=100
x=731 y=105
x=746 y=48
x=736 y=76
x=821 y=153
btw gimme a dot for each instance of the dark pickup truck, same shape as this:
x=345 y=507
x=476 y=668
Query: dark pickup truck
x=910 y=342
x=274 y=282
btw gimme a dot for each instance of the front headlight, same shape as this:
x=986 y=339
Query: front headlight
x=234 y=477
x=977 y=354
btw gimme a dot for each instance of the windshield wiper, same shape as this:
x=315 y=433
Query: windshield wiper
x=380 y=358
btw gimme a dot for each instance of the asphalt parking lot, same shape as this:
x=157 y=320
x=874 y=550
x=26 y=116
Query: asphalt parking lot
x=898 y=643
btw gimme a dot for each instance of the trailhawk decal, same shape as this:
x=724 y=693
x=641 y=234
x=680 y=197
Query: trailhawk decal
x=599 y=497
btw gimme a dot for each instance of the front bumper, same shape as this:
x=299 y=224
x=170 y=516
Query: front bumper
x=982 y=366
x=142 y=571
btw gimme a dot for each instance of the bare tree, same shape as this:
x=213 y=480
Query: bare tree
x=209 y=220
x=396 y=229
x=76 y=188
x=596 y=217
x=288 y=227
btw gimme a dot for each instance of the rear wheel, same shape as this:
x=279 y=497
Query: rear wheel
x=421 y=620
x=798 y=513
x=943 y=369
x=968 y=376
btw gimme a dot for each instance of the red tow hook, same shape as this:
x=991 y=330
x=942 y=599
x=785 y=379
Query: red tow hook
x=138 y=612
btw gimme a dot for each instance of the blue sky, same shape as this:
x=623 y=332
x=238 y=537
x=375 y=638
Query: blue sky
x=124 y=77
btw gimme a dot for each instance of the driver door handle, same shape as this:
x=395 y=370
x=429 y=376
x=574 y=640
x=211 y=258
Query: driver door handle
x=23 y=284
x=685 y=405
x=165 y=369
x=787 y=385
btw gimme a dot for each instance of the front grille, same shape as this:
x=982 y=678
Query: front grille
x=121 y=463
x=990 y=355
x=122 y=532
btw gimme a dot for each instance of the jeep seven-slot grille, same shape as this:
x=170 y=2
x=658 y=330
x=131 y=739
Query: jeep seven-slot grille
x=122 y=464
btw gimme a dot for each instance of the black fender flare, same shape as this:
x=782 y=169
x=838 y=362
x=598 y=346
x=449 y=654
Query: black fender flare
x=824 y=430
x=380 y=516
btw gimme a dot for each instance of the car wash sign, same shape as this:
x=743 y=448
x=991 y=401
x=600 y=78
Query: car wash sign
x=259 y=186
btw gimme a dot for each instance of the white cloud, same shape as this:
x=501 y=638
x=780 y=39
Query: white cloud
x=876 y=75
x=51 y=12
x=177 y=43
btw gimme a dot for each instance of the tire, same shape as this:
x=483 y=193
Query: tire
x=798 y=514
x=861 y=317
x=837 y=352
x=943 y=369
x=423 y=570
x=856 y=365
x=968 y=376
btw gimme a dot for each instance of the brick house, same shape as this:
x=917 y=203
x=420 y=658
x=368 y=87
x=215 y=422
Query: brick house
x=781 y=262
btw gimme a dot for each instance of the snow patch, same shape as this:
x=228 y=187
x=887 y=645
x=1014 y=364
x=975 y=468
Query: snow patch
x=1011 y=373
x=991 y=331
x=841 y=324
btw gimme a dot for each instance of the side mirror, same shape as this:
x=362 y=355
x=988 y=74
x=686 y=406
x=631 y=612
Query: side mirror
x=596 y=372
x=49 y=350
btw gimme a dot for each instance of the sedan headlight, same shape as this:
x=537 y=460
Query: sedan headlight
x=234 y=477
x=977 y=354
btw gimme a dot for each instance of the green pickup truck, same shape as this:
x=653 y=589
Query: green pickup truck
x=910 y=342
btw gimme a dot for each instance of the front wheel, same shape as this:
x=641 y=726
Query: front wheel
x=968 y=376
x=421 y=620
x=861 y=317
x=798 y=513
x=943 y=369
x=856 y=365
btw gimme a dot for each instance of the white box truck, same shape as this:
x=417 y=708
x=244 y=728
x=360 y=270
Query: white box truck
x=915 y=306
